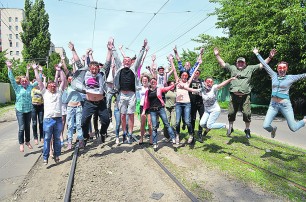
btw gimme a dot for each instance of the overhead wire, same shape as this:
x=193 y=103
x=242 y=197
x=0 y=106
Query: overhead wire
x=181 y=35
x=147 y=23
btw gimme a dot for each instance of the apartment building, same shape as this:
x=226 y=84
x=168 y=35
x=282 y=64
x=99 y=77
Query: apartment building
x=10 y=29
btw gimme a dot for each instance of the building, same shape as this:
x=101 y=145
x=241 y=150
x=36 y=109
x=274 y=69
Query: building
x=10 y=29
x=60 y=51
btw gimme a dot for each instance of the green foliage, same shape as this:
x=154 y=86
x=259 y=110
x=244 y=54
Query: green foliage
x=271 y=24
x=35 y=36
x=54 y=59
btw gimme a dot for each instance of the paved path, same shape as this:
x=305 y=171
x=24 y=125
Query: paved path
x=14 y=165
x=283 y=133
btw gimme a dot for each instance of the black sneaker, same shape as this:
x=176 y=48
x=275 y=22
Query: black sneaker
x=200 y=137
x=273 y=133
x=247 y=133
x=124 y=138
x=103 y=138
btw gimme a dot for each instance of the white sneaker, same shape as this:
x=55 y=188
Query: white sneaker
x=190 y=139
x=111 y=125
x=117 y=140
x=173 y=141
x=177 y=139
x=155 y=147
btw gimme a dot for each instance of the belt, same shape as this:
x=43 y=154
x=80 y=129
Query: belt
x=95 y=102
x=155 y=108
x=240 y=94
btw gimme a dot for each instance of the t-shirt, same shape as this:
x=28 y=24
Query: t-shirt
x=170 y=99
x=142 y=93
x=194 y=96
x=37 y=97
x=161 y=80
x=210 y=99
x=52 y=103
x=182 y=95
x=154 y=101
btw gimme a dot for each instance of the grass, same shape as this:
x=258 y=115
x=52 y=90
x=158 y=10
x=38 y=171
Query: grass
x=284 y=160
x=4 y=107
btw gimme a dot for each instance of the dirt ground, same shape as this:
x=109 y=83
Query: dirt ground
x=109 y=172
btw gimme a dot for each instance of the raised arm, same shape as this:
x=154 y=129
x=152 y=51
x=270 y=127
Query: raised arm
x=224 y=83
x=121 y=51
x=63 y=79
x=37 y=76
x=220 y=60
x=263 y=62
x=139 y=58
x=90 y=54
x=64 y=65
x=199 y=60
x=153 y=67
x=110 y=51
x=11 y=75
x=179 y=62
x=27 y=73
x=170 y=58
x=75 y=55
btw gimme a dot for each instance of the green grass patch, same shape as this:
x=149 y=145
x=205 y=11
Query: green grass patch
x=218 y=150
x=4 y=107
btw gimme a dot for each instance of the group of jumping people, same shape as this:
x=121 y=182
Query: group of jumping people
x=91 y=87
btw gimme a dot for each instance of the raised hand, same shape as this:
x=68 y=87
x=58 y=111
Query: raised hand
x=90 y=51
x=145 y=43
x=272 y=53
x=175 y=49
x=8 y=64
x=71 y=46
x=60 y=65
x=255 y=50
x=57 y=68
x=120 y=47
x=201 y=51
x=63 y=57
x=28 y=66
x=83 y=57
x=216 y=51
x=110 y=43
x=40 y=68
x=34 y=66
x=153 y=57
x=170 y=57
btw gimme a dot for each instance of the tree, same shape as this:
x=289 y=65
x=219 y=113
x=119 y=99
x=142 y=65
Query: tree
x=35 y=36
x=270 y=24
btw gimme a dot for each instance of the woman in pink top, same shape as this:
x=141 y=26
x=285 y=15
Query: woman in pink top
x=183 y=100
x=155 y=104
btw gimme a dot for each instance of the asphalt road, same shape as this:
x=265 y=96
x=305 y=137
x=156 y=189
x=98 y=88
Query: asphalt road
x=14 y=165
x=283 y=133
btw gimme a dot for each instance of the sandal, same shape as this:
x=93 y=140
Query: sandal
x=29 y=145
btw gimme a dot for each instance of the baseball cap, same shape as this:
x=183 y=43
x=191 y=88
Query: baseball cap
x=160 y=67
x=241 y=59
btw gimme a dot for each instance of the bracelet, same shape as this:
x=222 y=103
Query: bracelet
x=270 y=57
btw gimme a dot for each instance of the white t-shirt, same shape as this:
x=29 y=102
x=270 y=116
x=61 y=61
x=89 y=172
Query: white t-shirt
x=161 y=80
x=142 y=93
x=52 y=103
x=210 y=99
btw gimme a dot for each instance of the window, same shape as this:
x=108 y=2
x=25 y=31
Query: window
x=10 y=27
x=16 y=19
x=10 y=36
x=10 y=19
x=11 y=52
x=17 y=52
x=17 y=44
x=17 y=37
x=11 y=44
x=16 y=28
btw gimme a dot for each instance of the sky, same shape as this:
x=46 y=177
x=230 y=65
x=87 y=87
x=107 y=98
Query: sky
x=129 y=22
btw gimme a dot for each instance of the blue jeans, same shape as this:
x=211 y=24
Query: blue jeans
x=209 y=119
x=52 y=127
x=118 y=120
x=24 y=122
x=74 y=114
x=286 y=109
x=162 y=114
x=179 y=108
